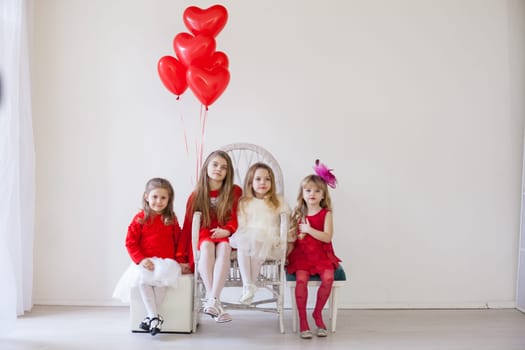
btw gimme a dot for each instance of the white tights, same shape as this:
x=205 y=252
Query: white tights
x=214 y=264
x=152 y=297
x=250 y=266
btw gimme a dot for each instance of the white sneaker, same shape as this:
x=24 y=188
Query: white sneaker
x=248 y=292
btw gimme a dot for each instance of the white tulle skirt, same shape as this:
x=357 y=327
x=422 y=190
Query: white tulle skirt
x=166 y=273
x=259 y=243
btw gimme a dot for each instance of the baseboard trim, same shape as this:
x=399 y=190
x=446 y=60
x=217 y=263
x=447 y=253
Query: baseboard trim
x=364 y=306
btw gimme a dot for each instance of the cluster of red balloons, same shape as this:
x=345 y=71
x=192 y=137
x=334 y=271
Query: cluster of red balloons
x=198 y=66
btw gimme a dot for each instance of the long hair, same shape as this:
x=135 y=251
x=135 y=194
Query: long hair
x=248 y=193
x=168 y=215
x=201 y=193
x=301 y=208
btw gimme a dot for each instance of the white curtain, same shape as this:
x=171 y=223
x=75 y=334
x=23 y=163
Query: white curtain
x=17 y=169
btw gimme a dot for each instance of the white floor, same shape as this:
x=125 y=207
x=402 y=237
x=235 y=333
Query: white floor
x=76 y=328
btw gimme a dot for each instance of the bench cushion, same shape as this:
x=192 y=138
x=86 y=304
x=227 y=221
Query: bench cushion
x=339 y=275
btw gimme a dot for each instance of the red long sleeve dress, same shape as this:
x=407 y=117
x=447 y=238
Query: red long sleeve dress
x=157 y=241
x=205 y=232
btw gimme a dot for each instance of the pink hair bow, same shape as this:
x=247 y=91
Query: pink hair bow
x=324 y=173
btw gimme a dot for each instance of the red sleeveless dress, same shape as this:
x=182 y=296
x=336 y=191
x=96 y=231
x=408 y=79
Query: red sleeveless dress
x=310 y=254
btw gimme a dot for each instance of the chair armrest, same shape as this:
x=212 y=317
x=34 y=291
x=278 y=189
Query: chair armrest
x=284 y=227
x=195 y=228
x=283 y=234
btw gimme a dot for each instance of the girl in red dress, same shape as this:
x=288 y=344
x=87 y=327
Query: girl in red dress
x=152 y=241
x=216 y=197
x=311 y=251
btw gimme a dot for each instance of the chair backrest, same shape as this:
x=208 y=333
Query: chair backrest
x=243 y=155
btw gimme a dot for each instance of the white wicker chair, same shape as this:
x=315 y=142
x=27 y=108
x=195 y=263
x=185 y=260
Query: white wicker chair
x=272 y=276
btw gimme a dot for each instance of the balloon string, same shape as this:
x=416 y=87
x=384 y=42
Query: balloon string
x=196 y=162
x=198 y=145
x=186 y=143
x=185 y=134
x=186 y=147
x=199 y=140
x=203 y=134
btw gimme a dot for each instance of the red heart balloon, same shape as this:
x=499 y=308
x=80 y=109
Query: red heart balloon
x=172 y=74
x=193 y=49
x=208 y=22
x=217 y=59
x=207 y=84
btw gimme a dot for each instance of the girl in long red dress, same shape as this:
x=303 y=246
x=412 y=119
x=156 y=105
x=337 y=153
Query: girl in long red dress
x=312 y=252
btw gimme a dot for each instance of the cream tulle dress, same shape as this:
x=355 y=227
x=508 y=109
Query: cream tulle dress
x=258 y=231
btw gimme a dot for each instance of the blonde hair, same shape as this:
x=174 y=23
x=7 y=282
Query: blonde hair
x=301 y=208
x=248 y=193
x=201 y=200
x=168 y=215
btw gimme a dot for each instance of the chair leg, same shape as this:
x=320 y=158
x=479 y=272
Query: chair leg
x=331 y=304
x=333 y=307
x=294 y=309
x=280 y=307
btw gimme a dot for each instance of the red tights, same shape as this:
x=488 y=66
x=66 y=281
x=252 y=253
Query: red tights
x=301 y=297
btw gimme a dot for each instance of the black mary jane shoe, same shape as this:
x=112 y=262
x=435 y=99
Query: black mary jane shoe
x=155 y=324
x=144 y=325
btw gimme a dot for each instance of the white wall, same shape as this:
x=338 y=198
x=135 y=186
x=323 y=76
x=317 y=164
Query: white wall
x=517 y=52
x=409 y=101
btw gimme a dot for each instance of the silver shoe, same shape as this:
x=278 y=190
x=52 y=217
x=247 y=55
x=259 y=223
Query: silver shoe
x=321 y=332
x=306 y=334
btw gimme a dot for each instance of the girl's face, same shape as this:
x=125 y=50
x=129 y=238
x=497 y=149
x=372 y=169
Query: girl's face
x=262 y=182
x=157 y=199
x=312 y=194
x=217 y=169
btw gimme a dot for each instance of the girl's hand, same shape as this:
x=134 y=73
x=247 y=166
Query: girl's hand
x=304 y=227
x=219 y=233
x=185 y=268
x=148 y=264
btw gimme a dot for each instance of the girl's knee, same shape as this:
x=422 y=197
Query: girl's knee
x=300 y=283
x=327 y=277
x=223 y=250
x=301 y=278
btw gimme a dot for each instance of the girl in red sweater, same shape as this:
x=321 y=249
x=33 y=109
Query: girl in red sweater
x=216 y=197
x=152 y=242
